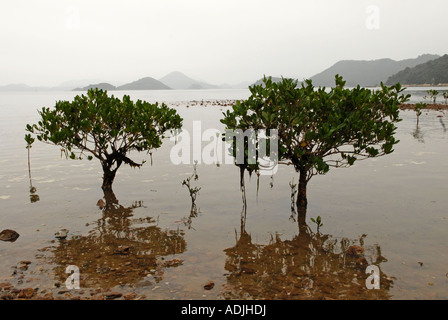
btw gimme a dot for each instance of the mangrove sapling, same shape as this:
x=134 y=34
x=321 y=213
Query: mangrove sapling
x=194 y=191
x=433 y=95
x=445 y=96
x=106 y=128
x=418 y=110
x=318 y=128
x=318 y=222
x=33 y=196
x=29 y=143
x=293 y=187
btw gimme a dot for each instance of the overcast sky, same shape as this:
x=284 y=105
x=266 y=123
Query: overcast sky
x=218 y=41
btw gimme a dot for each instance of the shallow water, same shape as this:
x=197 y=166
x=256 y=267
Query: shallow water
x=394 y=206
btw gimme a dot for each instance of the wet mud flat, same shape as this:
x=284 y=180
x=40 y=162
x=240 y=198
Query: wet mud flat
x=127 y=253
x=310 y=266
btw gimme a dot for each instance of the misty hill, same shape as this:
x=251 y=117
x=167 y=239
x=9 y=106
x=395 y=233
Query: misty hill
x=78 y=83
x=17 y=87
x=367 y=73
x=147 y=83
x=103 y=86
x=260 y=81
x=432 y=72
x=179 y=81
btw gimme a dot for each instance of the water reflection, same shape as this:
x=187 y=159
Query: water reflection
x=33 y=196
x=194 y=192
x=309 y=266
x=443 y=124
x=418 y=135
x=120 y=249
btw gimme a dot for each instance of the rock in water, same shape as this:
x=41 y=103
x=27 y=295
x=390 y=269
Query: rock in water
x=209 y=286
x=130 y=296
x=101 y=204
x=26 y=293
x=112 y=295
x=9 y=235
x=61 y=234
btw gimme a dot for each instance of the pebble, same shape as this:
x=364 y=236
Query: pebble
x=123 y=250
x=101 y=204
x=62 y=234
x=26 y=293
x=209 y=286
x=112 y=295
x=9 y=235
x=130 y=296
x=48 y=296
x=6 y=286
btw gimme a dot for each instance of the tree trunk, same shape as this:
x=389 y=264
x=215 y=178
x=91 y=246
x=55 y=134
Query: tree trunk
x=108 y=179
x=111 y=199
x=302 y=201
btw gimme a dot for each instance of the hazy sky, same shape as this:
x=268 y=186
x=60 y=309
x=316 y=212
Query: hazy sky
x=50 y=42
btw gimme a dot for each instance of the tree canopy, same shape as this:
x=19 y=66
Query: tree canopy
x=319 y=128
x=105 y=127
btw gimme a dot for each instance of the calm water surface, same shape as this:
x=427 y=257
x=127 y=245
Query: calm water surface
x=150 y=244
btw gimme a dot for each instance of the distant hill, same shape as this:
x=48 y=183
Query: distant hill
x=147 y=83
x=241 y=85
x=367 y=73
x=179 y=81
x=17 y=87
x=258 y=82
x=79 y=83
x=432 y=72
x=103 y=86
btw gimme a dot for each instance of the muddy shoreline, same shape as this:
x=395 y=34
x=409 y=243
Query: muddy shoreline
x=436 y=107
x=230 y=103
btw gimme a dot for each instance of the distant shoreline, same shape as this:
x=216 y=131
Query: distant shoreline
x=437 y=107
x=230 y=103
x=440 y=85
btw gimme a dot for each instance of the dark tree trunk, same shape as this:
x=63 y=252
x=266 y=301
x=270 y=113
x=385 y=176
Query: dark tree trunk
x=302 y=201
x=108 y=179
x=301 y=219
x=111 y=199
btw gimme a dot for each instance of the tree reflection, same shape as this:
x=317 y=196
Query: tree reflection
x=443 y=125
x=120 y=249
x=194 y=192
x=309 y=266
x=33 y=196
x=418 y=135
